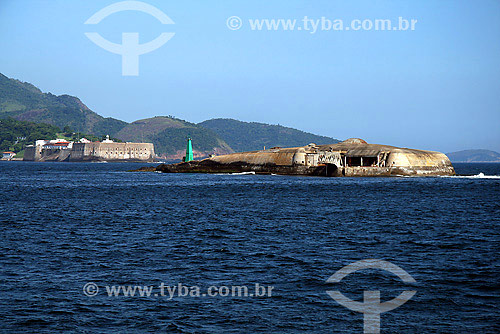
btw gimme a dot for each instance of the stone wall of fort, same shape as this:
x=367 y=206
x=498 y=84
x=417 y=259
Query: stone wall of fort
x=112 y=152
x=94 y=151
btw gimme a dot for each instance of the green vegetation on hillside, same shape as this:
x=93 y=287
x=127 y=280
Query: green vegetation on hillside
x=172 y=140
x=169 y=135
x=25 y=102
x=244 y=136
x=15 y=135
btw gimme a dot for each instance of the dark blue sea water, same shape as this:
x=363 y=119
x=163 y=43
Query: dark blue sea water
x=63 y=225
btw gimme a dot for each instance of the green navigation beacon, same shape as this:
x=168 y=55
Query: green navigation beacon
x=189 y=151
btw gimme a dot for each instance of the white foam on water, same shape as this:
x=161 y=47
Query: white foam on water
x=242 y=173
x=478 y=176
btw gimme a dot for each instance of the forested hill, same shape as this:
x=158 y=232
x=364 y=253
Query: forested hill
x=246 y=136
x=25 y=102
x=169 y=135
x=15 y=135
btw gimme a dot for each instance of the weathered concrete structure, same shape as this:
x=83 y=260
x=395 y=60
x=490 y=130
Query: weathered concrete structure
x=352 y=157
x=93 y=151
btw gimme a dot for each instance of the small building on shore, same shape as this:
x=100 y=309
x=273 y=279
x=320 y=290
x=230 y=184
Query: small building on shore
x=8 y=155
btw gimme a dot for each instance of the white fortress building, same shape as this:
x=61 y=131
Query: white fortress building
x=85 y=150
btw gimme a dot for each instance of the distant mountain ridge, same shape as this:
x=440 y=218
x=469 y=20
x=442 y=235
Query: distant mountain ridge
x=24 y=102
x=474 y=156
x=251 y=136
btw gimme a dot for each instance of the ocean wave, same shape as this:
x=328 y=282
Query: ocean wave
x=478 y=176
x=242 y=173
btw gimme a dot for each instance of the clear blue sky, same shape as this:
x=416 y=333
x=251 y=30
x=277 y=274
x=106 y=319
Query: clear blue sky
x=437 y=87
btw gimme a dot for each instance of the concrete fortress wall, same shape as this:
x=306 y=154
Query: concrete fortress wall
x=282 y=157
x=352 y=157
x=29 y=153
x=112 y=151
x=94 y=151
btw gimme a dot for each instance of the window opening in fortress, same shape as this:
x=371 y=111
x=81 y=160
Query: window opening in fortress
x=362 y=161
x=370 y=161
x=353 y=161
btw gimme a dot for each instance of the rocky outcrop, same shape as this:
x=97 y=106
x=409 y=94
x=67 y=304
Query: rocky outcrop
x=353 y=157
